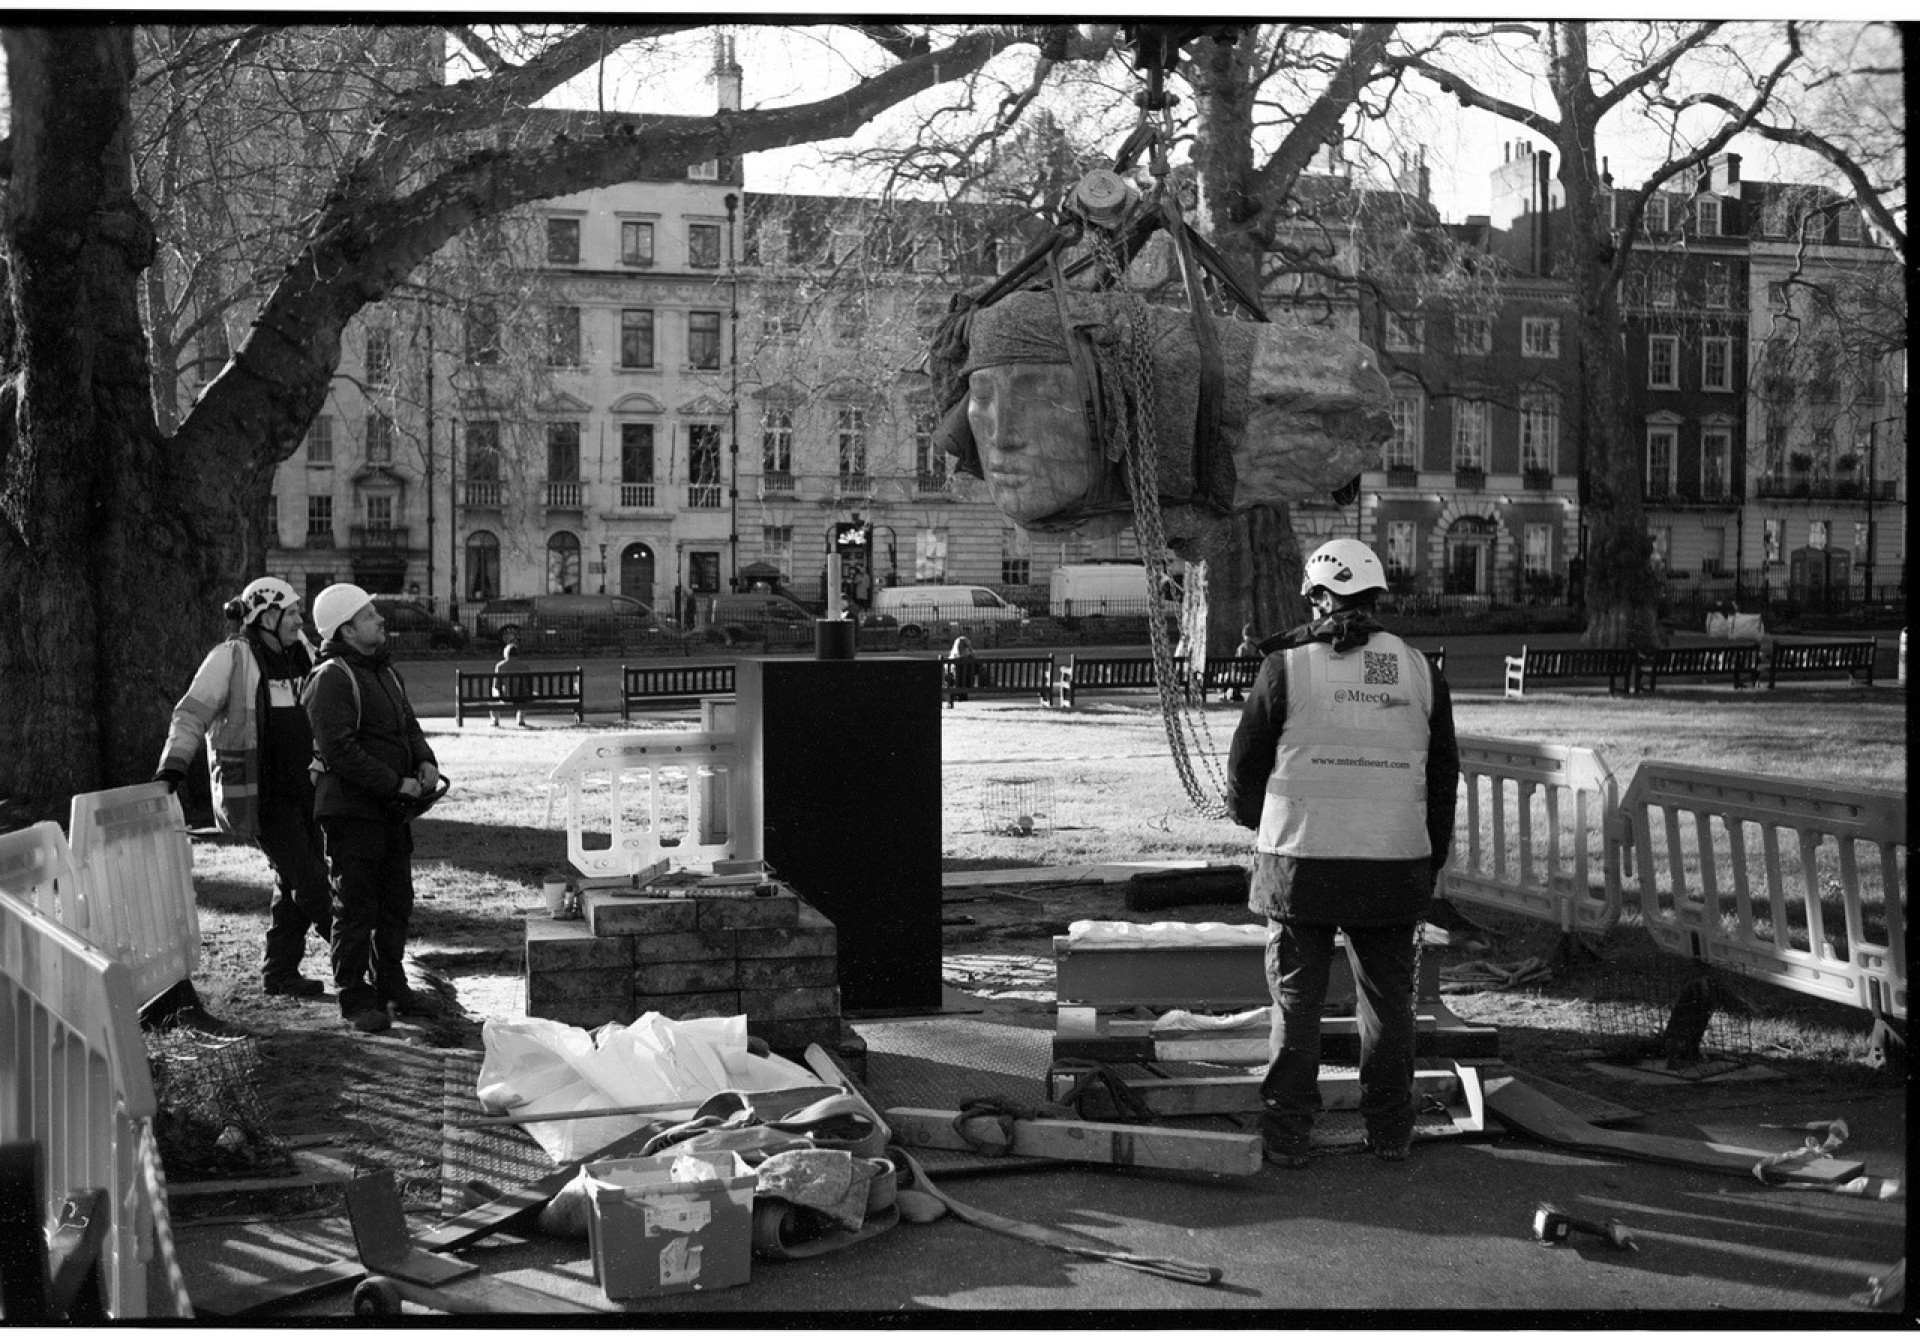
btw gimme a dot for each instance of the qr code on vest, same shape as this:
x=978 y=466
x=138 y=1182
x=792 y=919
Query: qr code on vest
x=1382 y=669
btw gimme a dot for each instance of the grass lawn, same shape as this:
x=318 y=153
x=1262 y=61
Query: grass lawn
x=481 y=853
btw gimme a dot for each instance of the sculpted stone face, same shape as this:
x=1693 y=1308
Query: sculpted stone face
x=1028 y=424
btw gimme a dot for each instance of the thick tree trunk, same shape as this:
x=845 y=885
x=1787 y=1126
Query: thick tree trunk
x=104 y=584
x=1253 y=575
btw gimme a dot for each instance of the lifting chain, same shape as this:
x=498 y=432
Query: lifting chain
x=1133 y=428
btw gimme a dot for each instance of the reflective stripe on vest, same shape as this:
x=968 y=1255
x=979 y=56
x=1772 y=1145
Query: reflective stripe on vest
x=1350 y=775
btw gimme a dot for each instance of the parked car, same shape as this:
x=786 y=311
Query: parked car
x=747 y=618
x=588 y=621
x=500 y=619
x=413 y=627
x=945 y=610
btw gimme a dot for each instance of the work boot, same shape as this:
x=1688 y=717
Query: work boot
x=369 y=1019
x=293 y=985
x=1287 y=1152
x=1391 y=1151
x=409 y=1001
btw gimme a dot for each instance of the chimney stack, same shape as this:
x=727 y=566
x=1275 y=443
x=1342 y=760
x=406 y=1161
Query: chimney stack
x=726 y=75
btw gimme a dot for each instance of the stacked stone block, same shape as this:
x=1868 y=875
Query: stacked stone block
x=770 y=958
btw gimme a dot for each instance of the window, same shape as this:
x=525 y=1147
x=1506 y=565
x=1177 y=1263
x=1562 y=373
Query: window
x=704 y=171
x=636 y=464
x=1539 y=336
x=1716 y=456
x=563 y=241
x=1404 y=334
x=636 y=339
x=1713 y=552
x=379 y=357
x=1773 y=217
x=1706 y=217
x=1665 y=289
x=1817 y=533
x=1470 y=434
x=1773 y=541
x=776 y=549
x=1663 y=362
x=563 y=336
x=1016 y=556
x=1472 y=334
x=483 y=335
x=636 y=243
x=703 y=466
x=1823 y=451
x=563 y=452
x=379 y=508
x=1662 y=448
x=379 y=438
x=776 y=447
x=1654 y=218
x=1409 y=417
x=929 y=456
x=703 y=340
x=1662 y=535
x=1823 y=382
x=1860 y=536
x=703 y=245
x=483 y=566
x=563 y=564
x=320 y=442
x=779 y=319
x=483 y=452
x=1849 y=224
x=850 y=433
x=850 y=318
x=1719 y=287
x=319 y=521
x=1716 y=364
x=930 y=556
x=1400 y=547
x=1536 y=551
x=1539 y=433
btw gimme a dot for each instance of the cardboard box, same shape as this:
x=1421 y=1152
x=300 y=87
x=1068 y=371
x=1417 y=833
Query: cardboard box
x=652 y=1231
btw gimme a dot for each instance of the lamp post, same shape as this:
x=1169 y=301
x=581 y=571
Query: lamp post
x=733 y=393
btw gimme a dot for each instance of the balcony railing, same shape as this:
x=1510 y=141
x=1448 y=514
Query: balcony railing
x=636 y=496
x=481 y=493
x=776 y=483
x=929 y=484
x=377 y=538
x=566 y=496
x=1469 y=478
x=703 y=496
x=1402 y=475
x=320 y=538
x=1537 y=480
x=1822 y=489
x=854 y=486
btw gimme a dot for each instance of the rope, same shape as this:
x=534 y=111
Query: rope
x=1128 y=1106
x=155 y=1177
x=1003 y=1113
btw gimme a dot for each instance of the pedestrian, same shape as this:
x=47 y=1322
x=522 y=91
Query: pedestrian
x=510 y=687
x=375 y=770
x=1249 y=649
x=244 y=703
x=960 y=668
x=1345 y=764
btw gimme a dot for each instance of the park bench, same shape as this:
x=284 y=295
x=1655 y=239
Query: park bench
x=524 y=690
x=1851 y=657
x=1742 y=661
x=658 y=686
x=1532 y=665
x=1024 y=675
x=1083 y=674
x=1237 y=674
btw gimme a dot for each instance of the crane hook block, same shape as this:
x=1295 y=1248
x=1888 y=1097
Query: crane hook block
x=1103 y=198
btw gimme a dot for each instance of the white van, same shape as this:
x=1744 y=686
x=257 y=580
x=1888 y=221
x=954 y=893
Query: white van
x=1098 y=589
x=943 y=611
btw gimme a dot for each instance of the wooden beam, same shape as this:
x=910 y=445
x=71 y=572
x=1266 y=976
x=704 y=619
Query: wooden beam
x=1124 y=1144
x=1194 y=1096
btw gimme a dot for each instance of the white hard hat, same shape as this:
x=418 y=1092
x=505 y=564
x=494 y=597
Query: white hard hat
x=336 y=605
x=263 y=595
x=1344 y=566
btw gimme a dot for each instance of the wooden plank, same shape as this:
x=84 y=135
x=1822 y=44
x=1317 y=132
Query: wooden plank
x=1072 y=874
x=1438 y=1033
x=472 y=1295
x=1194 y=1096
x=1525 y=1109
x=263 y=1294
x=1127 y=1144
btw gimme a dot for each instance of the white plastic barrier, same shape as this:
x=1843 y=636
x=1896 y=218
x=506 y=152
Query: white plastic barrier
x=73 y=1072
x=1716 y=883
x=647 y=792
x=1531 y=837
x=135 y=866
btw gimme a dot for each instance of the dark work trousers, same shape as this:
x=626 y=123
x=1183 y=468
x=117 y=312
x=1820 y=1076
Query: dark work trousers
x=371 y=864
x=302 y=898
x=1299 y=956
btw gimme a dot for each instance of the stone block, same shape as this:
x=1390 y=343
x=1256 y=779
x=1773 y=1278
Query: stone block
x=569 y=944
x=796 y=1032
x=810 y=935
x=785 y=1003
x=779 y=910
x=628 y=916
x=587 y=1014
x=719 y=944
x=792 y=972
x=688 y=1006
x=717 y=974
x=614 y=986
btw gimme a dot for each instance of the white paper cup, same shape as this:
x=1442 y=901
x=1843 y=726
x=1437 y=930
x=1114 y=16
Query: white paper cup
x=556 y=889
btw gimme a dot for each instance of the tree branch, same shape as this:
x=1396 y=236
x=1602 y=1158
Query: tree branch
x=1322 y=119
x=1640 y=78
x=1470 y=96
x=483 y=50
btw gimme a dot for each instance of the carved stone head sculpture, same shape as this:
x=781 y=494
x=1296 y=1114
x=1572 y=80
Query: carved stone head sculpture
x=1303 y=410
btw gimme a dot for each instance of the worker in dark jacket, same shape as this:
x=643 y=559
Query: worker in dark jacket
x=1345 y=765
x=373 y=767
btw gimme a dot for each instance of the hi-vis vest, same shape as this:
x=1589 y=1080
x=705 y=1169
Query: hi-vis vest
x=1350 y=776
x=220 y=705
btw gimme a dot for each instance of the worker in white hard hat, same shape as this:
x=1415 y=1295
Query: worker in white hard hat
x=244 y=702
x=1345 y=766
x=374 y=768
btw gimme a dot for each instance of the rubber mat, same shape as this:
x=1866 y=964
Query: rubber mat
x=941 y=1062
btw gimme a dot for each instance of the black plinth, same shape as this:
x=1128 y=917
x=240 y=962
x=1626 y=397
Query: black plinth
x=841 y=771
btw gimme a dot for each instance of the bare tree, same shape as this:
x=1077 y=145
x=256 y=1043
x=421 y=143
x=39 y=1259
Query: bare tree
x=118 y=538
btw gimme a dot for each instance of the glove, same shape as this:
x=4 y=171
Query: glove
x=409 y=788
x=173 y=779
x=427 y=774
